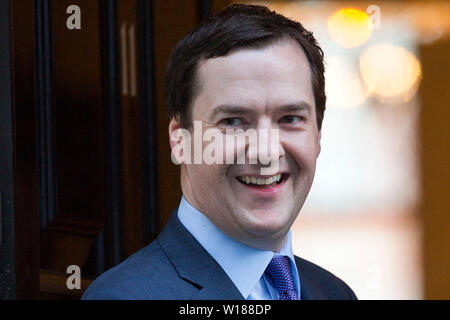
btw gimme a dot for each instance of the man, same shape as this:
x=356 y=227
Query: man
x=246 y=68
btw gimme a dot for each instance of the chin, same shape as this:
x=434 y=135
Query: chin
x=265 y=225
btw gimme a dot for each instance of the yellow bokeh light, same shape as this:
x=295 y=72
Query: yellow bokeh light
x=390 y=72
x=350 y=27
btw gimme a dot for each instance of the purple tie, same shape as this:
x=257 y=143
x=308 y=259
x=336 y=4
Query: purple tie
x=279 y=275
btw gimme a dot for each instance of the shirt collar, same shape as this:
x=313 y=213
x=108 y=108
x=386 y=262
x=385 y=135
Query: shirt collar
x=243 y=264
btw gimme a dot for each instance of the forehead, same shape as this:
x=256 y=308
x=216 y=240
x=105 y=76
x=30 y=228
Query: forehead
x=276 y=74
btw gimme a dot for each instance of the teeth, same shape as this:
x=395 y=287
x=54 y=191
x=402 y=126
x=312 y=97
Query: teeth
x=260 y=181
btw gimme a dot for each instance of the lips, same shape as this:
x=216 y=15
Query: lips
x=263 y=182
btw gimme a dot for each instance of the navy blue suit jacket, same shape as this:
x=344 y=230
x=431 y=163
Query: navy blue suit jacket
x=176 y=266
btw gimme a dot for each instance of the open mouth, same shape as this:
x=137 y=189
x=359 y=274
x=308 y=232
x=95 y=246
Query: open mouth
x=263 y=182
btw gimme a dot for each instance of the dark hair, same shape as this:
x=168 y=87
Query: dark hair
x=237 y=26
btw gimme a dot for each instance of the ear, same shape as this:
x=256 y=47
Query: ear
x=173 y=126
x=180 y=143
x=175 y=141
x=319 y=137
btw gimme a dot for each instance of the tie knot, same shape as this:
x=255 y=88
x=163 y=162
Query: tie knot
x=279 y=275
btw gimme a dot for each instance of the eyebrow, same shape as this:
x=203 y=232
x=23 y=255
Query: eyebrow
x=240 y=110
x=296 y=107
x=231 y=109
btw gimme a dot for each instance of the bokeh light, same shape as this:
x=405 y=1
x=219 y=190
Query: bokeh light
x=390 y=72
x=349 y=27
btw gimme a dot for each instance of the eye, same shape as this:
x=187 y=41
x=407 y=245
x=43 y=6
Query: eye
x=231 y=122
x=291 y=119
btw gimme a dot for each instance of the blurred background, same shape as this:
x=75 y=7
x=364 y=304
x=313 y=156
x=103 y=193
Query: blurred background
x=86 y=177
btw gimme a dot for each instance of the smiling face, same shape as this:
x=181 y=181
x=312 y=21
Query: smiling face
x=262 y=89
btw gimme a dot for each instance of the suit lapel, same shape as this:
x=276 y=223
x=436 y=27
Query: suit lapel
x=309 y=291
x=194 y=264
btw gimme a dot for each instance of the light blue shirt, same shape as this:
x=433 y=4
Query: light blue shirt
x=244 y=265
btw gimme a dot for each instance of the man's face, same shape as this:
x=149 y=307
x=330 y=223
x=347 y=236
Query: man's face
x=261 y=89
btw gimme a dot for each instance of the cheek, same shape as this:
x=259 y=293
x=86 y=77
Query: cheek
x=303 y=151
x=208 y=176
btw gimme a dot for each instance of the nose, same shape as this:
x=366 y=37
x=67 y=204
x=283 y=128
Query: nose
x=267 y=149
